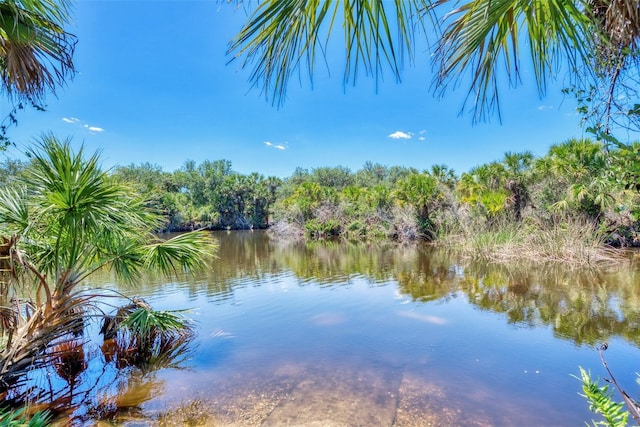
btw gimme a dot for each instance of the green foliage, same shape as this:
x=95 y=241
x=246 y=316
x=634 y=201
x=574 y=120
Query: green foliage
x=309 y=196
x=282 y=35
x=149 y=327
x=625 y=169
x=493 y=202
x=576 y=180
x=36 y=57
x=601 y=402
x=10 y=170
x=421 y=191
x=480 y=43
x=317 y=229
x=209 y=195
x=77 y=214
x=337 y=177
x=499 y=189
x=184 y=251
x=21 y=418
x=62 y=222
x=37 y=52
x=482 y=36
x=580 y=176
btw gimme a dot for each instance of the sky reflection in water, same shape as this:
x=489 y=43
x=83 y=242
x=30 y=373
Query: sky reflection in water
x=355 y=335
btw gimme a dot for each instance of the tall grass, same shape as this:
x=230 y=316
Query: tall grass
x=572 y=242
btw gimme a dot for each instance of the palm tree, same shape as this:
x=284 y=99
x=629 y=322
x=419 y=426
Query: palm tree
x=483 y=188
x=67 y=220
x=35 y=50
x=581 y=168
x=517 y=167
x=499 y=187
x=445 y=175
x=36 y=54
x=422 y=192
x=596 y=39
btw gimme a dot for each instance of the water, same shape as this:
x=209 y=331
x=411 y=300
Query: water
x=347 y=335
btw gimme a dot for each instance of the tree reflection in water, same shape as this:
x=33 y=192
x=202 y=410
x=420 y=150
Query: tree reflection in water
x=81 y=383
x=581 y=306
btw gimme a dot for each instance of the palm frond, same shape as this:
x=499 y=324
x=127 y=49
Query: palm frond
x=14 y=211
x=36 y=53
x=147 y=323
x=158 y=337
x=183 y=252
x=483 y=37
x=283 y=35
x=23 y=418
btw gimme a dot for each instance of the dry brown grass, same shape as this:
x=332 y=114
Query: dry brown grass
x=575 y=243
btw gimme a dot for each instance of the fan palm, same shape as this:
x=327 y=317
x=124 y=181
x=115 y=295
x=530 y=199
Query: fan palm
x=480 y=39
x=483 y=187
x=35 y=50
x=421 y=190
x=581 y=166
x=282 y=35
x=68 y=220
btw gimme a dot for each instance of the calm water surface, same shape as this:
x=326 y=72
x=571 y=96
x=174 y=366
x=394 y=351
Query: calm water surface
x=347 y=335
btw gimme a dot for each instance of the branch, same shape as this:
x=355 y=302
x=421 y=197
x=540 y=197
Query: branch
x=610 y=100
x=632 y=405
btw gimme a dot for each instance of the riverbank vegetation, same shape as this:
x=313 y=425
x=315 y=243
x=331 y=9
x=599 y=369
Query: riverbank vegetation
x=63 y=220
x=572 y=204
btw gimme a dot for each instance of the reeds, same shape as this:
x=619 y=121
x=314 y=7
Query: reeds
x=571 y=242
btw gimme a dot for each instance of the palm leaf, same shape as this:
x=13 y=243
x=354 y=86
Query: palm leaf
x=35 y=51
x=86 y=211
x=73 y=220
x=183 y=252
x=147 y=323
x=483 y=36
x=23 y=418
x=14 y=210
x=159 y=337
x=281 y=36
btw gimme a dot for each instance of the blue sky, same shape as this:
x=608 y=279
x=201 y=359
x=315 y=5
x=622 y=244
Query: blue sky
x=154 y=85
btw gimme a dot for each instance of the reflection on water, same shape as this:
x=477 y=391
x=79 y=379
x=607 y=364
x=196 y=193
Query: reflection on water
x=342 y=335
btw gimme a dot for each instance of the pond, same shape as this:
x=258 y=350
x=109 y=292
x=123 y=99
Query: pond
x=354 y=335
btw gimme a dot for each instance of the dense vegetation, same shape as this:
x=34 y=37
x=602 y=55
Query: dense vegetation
x=63 y=220
x=579 y=186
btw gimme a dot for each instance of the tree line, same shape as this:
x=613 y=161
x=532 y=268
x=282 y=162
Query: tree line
x=577 y=180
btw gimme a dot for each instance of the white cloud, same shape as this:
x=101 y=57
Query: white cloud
x=401 y=135
x=421 y=138
x=94 y=128
x=544 y=107
x=75 y=120
x=276 y=146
